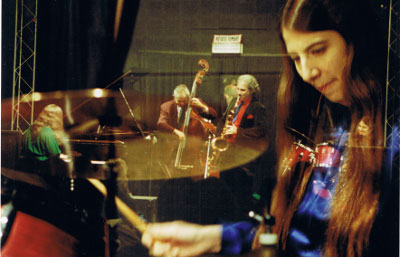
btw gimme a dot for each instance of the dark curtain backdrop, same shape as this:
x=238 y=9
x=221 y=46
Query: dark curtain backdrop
x=170 y=38
x=75 y=46
x=169 y=70
x=76 y=49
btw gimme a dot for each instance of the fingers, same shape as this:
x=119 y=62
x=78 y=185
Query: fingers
x=197 y=102
x=230 y=129
x=173 y=239
x=160 y=239
x=147 y=240
x=180 y=134
x=158 y=247
x=169 y=249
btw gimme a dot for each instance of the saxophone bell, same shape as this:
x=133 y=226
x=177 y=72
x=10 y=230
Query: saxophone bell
x=219 y=144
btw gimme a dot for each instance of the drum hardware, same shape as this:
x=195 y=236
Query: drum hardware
x=207 y=162
x=100 y=129
x=125 y=210
x=327 y=156
x=302 y=136
x=324 y=155
x=94 y=162
x=255 y=216
x=29 y=178
x=141 y=197
x=96 y=142
x=298 y=153
x=265 y=236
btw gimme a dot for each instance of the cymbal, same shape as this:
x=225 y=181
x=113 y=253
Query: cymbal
x=140 y=158
x=299 y=135
x=152 y=157
x=92 y=147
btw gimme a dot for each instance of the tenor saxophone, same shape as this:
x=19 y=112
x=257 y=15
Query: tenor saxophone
x=221 y=143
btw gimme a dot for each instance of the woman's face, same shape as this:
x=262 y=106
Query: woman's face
x=321 y=59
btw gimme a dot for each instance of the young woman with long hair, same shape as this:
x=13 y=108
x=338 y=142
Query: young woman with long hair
x=330 y=85
x=335 y=193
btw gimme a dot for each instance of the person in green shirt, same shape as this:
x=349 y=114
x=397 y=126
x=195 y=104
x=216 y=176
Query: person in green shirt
x=41 y=152
x=41 y=140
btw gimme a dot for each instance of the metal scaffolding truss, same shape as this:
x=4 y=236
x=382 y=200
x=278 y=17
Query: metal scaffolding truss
x=24 y=61
x=392 y=112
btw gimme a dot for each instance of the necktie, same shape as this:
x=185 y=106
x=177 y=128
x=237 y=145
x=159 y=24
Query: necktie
x=181 y=117
x=237 y=111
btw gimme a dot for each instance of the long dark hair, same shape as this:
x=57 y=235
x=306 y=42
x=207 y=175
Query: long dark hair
x=355 y=202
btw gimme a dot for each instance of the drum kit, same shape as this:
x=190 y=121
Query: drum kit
x=322 y=155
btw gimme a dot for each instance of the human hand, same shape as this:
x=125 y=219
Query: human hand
x=197 y=103
x=65 y=157
x=179 y=238
x=230 y=130
x=180 y=134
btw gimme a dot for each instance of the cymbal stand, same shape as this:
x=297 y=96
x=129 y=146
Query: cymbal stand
x=207 y=167
x=111 y=212
x=266 y=238
x=99 y=132
x=131 y=113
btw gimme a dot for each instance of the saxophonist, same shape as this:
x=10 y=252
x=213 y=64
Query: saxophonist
x=244 y=126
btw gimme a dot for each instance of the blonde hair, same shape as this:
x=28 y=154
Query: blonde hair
x=51 y=116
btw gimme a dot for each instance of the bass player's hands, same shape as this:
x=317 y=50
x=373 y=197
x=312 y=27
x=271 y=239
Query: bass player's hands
x=179 y=133
x=199 y=104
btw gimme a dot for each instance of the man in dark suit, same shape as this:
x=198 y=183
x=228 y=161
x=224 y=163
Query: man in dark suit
x=171 y=120
x=248 y=140
x=185 y=197
x=172 y=113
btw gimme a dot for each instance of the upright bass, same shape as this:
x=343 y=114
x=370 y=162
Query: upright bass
x=193 y=124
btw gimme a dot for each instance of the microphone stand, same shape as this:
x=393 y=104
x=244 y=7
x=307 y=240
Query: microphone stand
x=131 y=113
